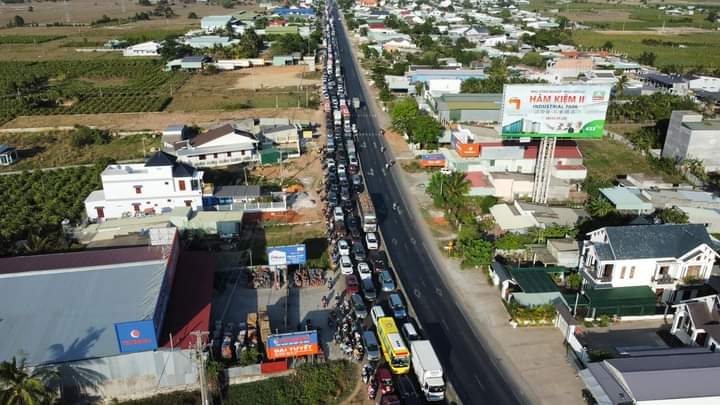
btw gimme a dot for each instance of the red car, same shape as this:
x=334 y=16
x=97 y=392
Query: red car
x=351 y=285
x=390 y=399
x=385 y=382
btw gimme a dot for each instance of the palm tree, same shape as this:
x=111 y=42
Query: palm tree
x=600 y=207
x=20 y=386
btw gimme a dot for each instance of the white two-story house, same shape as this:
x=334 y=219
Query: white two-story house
x=666 y=258
x=697 y=322
x=221 y=146
x=159 y=185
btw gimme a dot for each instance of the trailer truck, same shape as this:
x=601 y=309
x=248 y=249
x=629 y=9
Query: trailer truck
x=428 y=370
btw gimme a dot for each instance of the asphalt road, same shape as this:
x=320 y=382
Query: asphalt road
x=471 y=371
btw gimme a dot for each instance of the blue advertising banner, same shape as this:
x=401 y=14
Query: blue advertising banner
x=286 y=255
x=137 y=336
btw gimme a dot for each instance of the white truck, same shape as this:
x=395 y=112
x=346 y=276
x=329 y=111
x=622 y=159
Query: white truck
x=428 y=370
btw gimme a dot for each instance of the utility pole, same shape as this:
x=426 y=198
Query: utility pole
x=200 y=361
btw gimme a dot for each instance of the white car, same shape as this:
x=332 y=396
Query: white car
x=371 y=241
x=445 y=170
x=338 y=214
x=346 y=265
x=364 y=270
x=353 y=160
x=341 y=170
x=343 y=247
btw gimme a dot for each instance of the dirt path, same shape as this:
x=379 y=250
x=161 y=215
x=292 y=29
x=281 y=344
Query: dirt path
x=359 y=394
x=156 y=121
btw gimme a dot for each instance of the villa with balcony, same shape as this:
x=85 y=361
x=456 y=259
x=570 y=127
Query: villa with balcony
x=221 y=146
x=673 y=260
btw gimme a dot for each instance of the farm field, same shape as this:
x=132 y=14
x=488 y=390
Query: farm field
x=53 y=149
x=86 y=11
x=702 y=48
x=72 y=87
x=280 y=87
x=157 y=121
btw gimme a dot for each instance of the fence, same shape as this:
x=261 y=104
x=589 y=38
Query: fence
x=568 y=326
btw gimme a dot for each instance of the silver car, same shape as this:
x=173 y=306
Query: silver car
x=387 y=284
x=371 y=346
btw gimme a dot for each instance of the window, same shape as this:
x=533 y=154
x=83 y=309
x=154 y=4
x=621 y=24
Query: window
x=664 y=270
x=622 y=272
x=201 y=157
x=188 y=203
x=181 y=185
x=693 y=271
x=167 y=183
x=632 y=272
x=607 y=272
x=229 y=154
x=138 y=189
x=194 y=184
x=215 y=155
x=169 y=200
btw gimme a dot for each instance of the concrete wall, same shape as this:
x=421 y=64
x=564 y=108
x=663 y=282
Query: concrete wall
x=479 y=115
x=130 y=376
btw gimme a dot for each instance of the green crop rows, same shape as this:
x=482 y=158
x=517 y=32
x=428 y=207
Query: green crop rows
x=85 y=87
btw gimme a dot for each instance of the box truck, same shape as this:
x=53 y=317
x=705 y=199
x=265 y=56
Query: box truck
x=428 y=370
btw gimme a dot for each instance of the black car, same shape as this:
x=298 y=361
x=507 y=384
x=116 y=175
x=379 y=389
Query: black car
x=348 y=206
x=332 y=199
x=344 y=193
x=358 y=251
x=332 y=176
x=332 y=186
x=379 y=260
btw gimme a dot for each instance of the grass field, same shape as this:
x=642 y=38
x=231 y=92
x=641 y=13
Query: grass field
x=703 y=48
x=608 y=159
x=41 y=150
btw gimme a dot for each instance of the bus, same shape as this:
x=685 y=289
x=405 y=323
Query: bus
x=394 y=350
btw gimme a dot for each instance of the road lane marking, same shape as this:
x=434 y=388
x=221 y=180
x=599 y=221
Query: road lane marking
x=413 y=241
x=438 y=291
x=444 y=324
x=394 y=241
x=417 y=292
x=482 y=386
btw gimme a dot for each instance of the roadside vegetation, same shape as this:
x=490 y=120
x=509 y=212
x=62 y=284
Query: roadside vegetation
x=325 y=383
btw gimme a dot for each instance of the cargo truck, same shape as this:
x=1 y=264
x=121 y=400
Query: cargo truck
x=368 y=219
x=428 y=370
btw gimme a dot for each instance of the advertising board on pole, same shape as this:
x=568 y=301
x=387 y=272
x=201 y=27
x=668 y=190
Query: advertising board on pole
x=295 y=344
x=286 y=255
x=137 y=336
x=562 y=111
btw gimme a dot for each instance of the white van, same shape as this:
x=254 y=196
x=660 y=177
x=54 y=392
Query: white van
x=376 y=312
x=409 y=332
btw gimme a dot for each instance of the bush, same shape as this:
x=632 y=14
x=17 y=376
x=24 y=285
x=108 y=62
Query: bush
x=311 y=384
x=84 y=136
x=173 y=398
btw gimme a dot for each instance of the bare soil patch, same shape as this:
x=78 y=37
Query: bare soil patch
x=274 y=76
x=603 y=15
x=669 y=31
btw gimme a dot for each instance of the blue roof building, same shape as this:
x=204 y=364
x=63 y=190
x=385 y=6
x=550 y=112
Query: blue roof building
x=294 y=11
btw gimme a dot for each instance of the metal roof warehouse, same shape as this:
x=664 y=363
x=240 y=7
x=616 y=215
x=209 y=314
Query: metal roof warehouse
x=67 y=306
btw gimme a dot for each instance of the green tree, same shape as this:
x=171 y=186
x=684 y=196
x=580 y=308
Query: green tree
x=477 y=252
x=574 y=281
x=192 y=16
x=562 y=22
x=403 y=113
x=673 y=215
x=449 y=191
x=600 y=207
x=712 y=16
x=18 y=21
x=471 y=85
x=20 y=386
x=608 y=45
x=533 y=59
x=426 y=131
x=647 y=58
x=513 y=241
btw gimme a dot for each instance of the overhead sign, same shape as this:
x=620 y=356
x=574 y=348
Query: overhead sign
x=138 y=336
x=546 y=110
x=286 y=255
x=295 y=344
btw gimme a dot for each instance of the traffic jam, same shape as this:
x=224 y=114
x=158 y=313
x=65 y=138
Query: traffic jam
x=370 y=321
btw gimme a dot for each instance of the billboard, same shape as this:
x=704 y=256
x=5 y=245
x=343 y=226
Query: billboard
x=293 y=344
x=137 y=336
x=286 y=255
x=546 y=110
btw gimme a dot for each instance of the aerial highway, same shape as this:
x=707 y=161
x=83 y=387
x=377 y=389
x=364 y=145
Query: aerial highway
x=470 y=369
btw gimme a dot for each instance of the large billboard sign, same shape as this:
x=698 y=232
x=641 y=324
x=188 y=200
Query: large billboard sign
x=138 y=336
x=286 y=255
x=295 y=344
x=546 y=110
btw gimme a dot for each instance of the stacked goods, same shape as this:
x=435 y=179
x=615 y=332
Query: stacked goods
x=264 y=320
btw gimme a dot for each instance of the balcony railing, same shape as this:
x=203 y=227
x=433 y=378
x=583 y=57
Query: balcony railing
x=663 y=279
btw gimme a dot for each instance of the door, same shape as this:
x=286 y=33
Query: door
x=100 y=212
x=181 y=185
